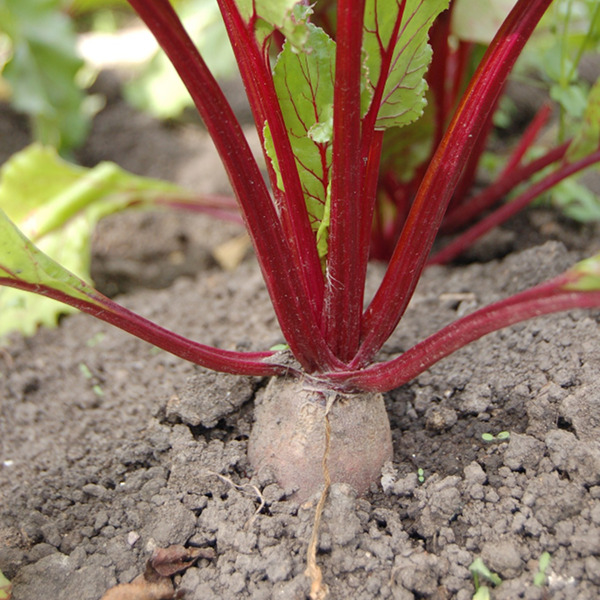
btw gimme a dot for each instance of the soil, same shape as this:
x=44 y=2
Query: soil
x=110 y=448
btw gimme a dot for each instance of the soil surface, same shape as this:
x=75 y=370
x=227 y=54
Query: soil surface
x=110 y=448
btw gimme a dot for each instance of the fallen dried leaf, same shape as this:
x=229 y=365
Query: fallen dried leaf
x=155 y=583
x=141 y=589
x=231 y=253
x=174 y=559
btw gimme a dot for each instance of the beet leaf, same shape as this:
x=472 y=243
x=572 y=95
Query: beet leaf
x=397 y=57
x=25 y=267
x=57 y=205
x=304 y=81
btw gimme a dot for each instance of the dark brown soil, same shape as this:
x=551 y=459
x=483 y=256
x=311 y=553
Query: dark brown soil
x=150 y=451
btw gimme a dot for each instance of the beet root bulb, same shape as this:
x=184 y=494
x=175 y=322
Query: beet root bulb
x=289 y=437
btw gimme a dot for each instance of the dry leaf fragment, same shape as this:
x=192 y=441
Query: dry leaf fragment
x=231 y=253
x=142 y=589
x=155 y=583
x=174 y=559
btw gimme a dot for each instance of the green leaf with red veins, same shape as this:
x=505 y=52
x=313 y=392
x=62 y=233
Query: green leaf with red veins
x=587 y=139
x=586 y=275
x=398 y=62
x=304 y=84
x=287 y=16
x=407 y=148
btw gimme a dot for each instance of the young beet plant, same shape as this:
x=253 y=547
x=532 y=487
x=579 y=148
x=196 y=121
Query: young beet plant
x=322 y=108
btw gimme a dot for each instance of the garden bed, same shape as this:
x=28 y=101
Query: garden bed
x=110 y=448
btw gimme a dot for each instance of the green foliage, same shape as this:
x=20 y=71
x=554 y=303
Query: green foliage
x=405 y=86
x=406 y=148
x=480 y=571
x=280 y=348
x=304 y=80
x=572 y=29
x=482 y=593
x=22 y=261
x=540 y=578
x=502 y=436
x=569 y=31
x=585 y=275
x=304 y=83
x=571 y=97
x=286 y=16
x=157 y=88
x=57 y=205
x=42 y=71
x=574 y=198
x=5 y=587
x=82 y=6
x=587 y=138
